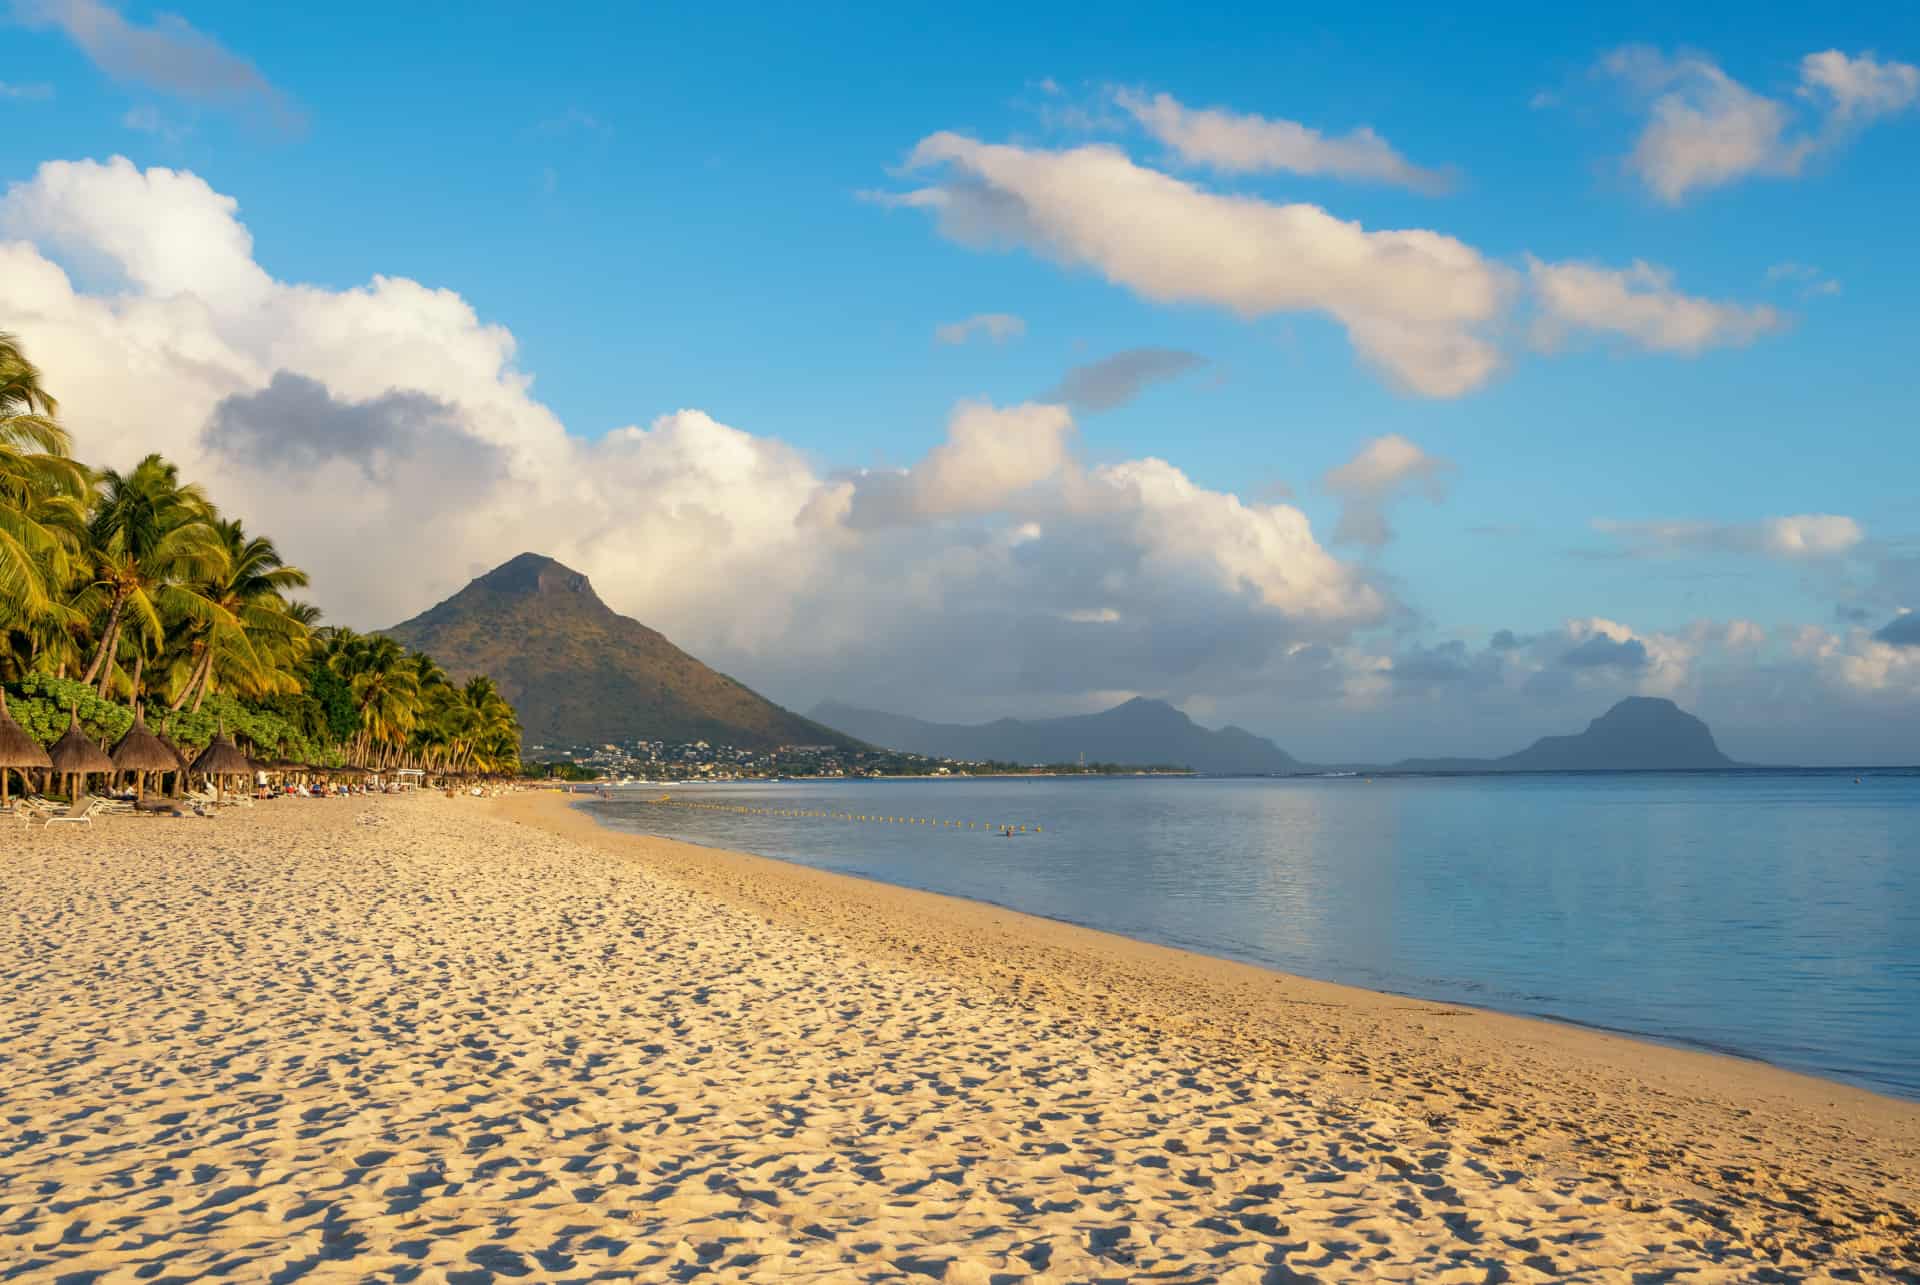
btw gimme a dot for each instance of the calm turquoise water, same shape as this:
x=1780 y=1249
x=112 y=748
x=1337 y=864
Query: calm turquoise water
x=1770 y=914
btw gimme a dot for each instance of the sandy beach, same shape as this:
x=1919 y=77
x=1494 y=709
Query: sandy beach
x=467 y=1040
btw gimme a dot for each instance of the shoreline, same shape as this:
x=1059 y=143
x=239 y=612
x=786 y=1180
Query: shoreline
x=1654 y=1122
x=1618 y=1045
x=420 y=1037
x=1675 y=1043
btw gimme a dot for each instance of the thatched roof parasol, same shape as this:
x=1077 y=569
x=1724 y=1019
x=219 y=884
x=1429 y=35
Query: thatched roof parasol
x=141 y=751
x=75 y=753
x=222 y=758
x=186 y=764
x=17 y=749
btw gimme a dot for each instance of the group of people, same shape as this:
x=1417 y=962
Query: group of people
x=302 y=790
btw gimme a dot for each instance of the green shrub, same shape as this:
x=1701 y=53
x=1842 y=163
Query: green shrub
x=41 y=704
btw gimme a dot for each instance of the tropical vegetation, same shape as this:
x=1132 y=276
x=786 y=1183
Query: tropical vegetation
x=124 y=588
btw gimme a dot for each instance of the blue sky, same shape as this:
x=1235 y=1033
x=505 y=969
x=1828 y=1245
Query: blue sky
x=699 y=208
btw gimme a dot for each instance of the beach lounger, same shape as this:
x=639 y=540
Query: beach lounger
x=79 y=818
x=36 y=808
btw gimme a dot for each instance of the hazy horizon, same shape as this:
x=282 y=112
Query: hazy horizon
x=1435 y=392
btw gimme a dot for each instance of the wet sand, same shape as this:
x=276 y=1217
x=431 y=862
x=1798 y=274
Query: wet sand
x=466 y=1040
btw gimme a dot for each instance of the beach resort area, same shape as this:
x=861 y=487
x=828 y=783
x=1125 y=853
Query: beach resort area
x=446 y=1038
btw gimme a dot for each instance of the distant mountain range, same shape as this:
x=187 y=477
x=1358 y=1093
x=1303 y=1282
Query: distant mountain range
x=579 y=673
x=1141 y=733
x=1640 y=733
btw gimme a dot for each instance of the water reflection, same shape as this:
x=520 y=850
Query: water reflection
x=1774 y=914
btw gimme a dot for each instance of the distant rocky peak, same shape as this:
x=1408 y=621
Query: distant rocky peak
x=1146 y=709
x=535 y=575
x=1643 y=712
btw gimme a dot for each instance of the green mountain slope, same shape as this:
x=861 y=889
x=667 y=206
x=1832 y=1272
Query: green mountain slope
x=581 y=674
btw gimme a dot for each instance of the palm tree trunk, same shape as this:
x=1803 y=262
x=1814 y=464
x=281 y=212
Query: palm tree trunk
x=193 y=679
x=186 y=690
x=108 y=638
x=206 y=682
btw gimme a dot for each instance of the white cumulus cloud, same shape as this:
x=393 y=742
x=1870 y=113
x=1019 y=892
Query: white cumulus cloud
x=1641 y=305
x=1705 y=129
x=1241 y=143
x=990 y=456
x=1384 y=470
x=1417 y=304
x=1859 y=88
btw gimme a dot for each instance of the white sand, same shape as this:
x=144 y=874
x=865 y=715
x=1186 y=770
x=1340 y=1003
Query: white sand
x=479 y=1041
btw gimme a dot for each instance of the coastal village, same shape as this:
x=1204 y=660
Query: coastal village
x=643 y=761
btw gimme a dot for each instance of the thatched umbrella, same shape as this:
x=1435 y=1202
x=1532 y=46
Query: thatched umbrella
x=282 y=768
x=222 y=759
x=74 y=755
x=17 y=749
x=181 y=764
x=141 y=752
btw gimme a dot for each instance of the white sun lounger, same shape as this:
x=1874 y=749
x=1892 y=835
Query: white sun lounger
x=79 y=818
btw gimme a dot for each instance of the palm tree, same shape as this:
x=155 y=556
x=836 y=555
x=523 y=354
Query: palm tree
x=155 y=546
x=47 y=635
x=42 y=491
x=255 y=641
x=386 y=688
x=495 y=744
x=444 y=723
x=27 y=409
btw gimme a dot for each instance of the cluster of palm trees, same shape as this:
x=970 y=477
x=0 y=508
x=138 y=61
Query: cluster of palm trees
x=134 y=584
x=407 y=713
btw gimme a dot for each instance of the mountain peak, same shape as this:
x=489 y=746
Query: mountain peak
x=1648 y=732
x=1641 y=709
x=580 y=673
x=536 y=574
x=1147 y=707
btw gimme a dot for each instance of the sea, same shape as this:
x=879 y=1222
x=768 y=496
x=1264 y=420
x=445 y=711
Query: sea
x=1767 y=914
